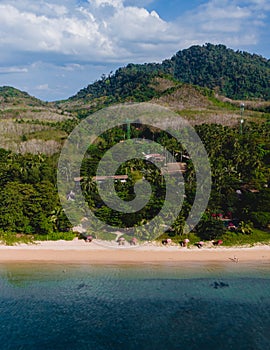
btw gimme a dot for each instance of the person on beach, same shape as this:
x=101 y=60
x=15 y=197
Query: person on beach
x=185 y=242
x=166 y=241
x=234 y=259
x=86 y=237
x=218 y=242
x=200 y=244
x=89 y=239
x=133 y=241
x=121 y=241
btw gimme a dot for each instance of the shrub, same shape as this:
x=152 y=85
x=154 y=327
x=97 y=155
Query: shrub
x=11 y=238
x=245 y=228
x=55 y=236
x=210 y=228
x=260 y=219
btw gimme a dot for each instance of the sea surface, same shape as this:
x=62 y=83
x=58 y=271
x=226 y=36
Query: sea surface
x=210 y=306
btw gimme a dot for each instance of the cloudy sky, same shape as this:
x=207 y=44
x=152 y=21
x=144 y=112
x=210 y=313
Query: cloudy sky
x=53 y=48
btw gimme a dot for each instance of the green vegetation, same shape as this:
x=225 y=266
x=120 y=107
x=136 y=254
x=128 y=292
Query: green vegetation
x=29 y=198
x=128 y=83
x=15 y=96
x=199 y=84
x=235 y=74
x=239 y=161
x=11 y=238
x=55 y=236
x=237 y=239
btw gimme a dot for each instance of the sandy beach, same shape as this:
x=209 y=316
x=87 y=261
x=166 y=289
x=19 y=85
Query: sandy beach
x=100 y=252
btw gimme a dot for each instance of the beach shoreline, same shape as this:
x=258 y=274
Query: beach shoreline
x=100 y=252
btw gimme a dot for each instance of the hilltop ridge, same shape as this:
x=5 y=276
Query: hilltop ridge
x=203 y=84
x=234 y=74
x=9 y=94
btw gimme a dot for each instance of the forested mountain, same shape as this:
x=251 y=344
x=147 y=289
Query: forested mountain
x=235 y=74
x=205 y=85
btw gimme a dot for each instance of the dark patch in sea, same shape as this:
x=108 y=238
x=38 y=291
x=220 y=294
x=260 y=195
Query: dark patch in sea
x=82 y=286
x=217 y=285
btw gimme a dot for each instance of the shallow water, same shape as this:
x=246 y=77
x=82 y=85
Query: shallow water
x=194 y=306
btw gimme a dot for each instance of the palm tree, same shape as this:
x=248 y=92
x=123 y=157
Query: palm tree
x=88 y=184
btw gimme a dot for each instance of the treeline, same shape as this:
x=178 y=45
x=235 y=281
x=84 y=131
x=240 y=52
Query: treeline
x=28 y=196
x=240 y=165
x=235 y=74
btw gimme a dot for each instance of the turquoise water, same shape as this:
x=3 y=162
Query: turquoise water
x=222 y=306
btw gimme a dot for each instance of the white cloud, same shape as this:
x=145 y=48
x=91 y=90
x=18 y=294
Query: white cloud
x=113 y=3
x=76 y=35
x=234 y=23
x=91 y=31
x=46 y=8
x=43 y=87
x=138 y=3
x=260 y=4
x=67 y=36
x=72 y=67
x=8 y=70
x=131 y=23
x=85 y=32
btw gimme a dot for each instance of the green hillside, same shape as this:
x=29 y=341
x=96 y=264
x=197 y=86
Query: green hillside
x=29 y=125
x=238 y=75
x=9 y=94
x=234 y=74
x=197 y=104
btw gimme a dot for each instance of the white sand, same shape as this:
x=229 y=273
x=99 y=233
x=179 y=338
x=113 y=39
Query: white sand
x=100 y=252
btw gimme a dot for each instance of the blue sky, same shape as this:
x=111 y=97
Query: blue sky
x=53 y=48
